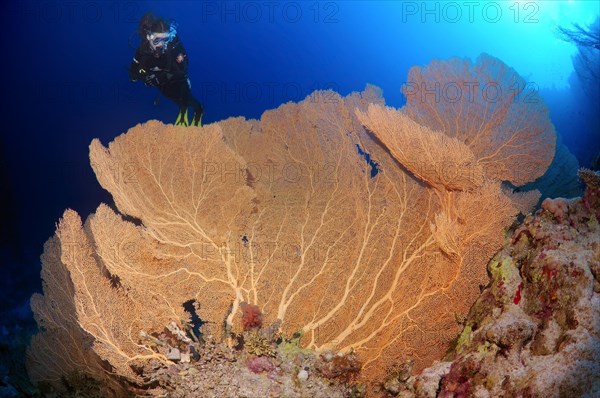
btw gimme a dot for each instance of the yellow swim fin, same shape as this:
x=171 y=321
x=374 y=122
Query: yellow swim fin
x=197 y=120
x=182 y=119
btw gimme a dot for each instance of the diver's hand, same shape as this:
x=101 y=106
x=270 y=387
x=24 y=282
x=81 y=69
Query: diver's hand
x=136 y=74
x=151 y=80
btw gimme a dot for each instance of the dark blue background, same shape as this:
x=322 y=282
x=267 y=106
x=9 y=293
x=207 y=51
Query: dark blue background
x=64 y=66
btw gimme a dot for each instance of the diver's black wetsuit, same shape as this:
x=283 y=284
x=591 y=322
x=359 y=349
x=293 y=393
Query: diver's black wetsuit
x=163 y=71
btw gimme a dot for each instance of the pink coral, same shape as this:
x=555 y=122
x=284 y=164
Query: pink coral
x=557 y=207
x=260 y=364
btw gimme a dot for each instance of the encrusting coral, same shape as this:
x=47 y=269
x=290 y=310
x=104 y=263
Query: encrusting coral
x=377 y=256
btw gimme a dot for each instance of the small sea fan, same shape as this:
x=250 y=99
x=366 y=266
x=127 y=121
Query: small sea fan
x=251 y=316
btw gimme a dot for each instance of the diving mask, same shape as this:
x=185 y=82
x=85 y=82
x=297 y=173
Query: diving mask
x=159 y=41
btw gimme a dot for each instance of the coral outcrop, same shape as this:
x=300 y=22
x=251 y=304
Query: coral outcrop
x=535 y=330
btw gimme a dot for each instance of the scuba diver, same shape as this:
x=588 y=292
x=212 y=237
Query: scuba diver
x=161 y=61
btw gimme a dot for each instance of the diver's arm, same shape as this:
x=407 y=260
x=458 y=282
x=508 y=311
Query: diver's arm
x=136 y=69
x=150 y=77
x=179 y=63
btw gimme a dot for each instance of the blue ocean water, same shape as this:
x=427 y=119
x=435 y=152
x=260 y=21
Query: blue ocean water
x=66 y=82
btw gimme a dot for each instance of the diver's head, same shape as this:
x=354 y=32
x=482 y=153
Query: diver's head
x=159 y=41
x=157 y=31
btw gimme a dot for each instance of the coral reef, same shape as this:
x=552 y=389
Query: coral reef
x=217 y=370
x=345 y=223
x=535 y=330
